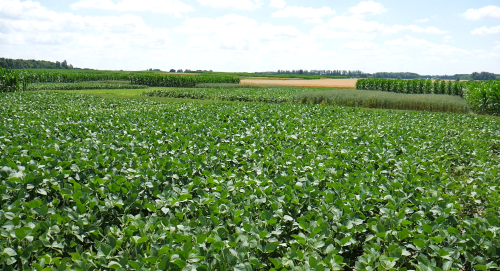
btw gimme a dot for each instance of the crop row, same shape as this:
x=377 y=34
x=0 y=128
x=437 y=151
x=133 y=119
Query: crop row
x=242 y=94
x=133 y=184
x=11 y=81
x=24 y=78
x=484 y=97
x=344 y=97
x=416 y=86
x=82 y=86
x=385 y=100
x=180 y=81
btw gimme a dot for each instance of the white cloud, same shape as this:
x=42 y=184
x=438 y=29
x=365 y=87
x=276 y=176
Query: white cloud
x=235 y=4
x=32 y=29
x=277 y=3
x=422 y=20
x=359 y=45
x=486 y=30
x=303 y=12
x=486 y=12
x=400 y=57
x=427 y=30
x=497 y=47
x=236 y=32
x=155 y=6
x=313 y=21
x=429 y=48
x=355 y=27
x=367 y=8
x=433 y=59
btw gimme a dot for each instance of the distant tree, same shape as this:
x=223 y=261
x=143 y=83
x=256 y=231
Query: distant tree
x=180 y=71
x=172 y=70
x=64 y=64
x=58 y=65
x=483 y=76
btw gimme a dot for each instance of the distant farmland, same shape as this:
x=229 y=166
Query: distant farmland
x=330 y=83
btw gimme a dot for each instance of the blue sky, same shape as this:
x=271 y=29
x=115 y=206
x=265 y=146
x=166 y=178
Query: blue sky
x=427 y=37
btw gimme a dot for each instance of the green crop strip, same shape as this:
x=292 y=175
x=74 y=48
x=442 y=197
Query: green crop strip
x=82 y=86
x=482 y=96
x=11 y=81
x=343 y=97
x=226 y=93
x=88 y=183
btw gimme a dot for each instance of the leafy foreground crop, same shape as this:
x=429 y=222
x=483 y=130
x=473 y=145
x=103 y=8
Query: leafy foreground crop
x=90 y=183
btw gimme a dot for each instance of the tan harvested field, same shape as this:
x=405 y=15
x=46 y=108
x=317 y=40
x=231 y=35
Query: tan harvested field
x=326 y=83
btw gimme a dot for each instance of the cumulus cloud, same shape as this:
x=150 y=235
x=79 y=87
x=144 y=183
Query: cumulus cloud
x=303 y=12
x=359 y=45
x=355 y=27
x=486 y=12
x=422 y=20
x=429 y=48
x=486 y=30
x=236 y=32
x=235 y=4
x=277 y=3
x=33 y=29
x=418 y=29
x=155 y=6
x=367 y=8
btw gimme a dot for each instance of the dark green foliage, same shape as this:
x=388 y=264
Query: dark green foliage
x=483 y=97
x=154 y=80
x=43 y=76
x=32 y=64
x=483 y=76
x=99 y=184
x=396 y=75
x=417 y=86
x=136 y=78
x=11 y=81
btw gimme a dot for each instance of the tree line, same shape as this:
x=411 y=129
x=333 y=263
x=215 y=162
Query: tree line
x=33 y=64
x=349 y=73
x=482 y=76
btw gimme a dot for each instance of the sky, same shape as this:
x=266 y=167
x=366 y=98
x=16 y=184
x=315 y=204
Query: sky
x=426 y=37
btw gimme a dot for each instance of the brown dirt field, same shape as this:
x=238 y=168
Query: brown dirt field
x=324 y=83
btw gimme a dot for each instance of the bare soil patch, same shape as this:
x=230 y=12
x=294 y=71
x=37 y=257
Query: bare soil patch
x=326 y=83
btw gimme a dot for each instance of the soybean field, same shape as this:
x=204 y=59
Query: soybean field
x=89 y=183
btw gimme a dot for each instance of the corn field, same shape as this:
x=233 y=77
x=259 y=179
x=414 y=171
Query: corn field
x=18 y=80
x=483 y=97
x=417 y=86
x=11 y=81
x=64 y=77
x=153 y=80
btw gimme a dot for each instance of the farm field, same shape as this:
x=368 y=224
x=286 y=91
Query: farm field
x=344 y=97
x=327 y=83
x=91 y=183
